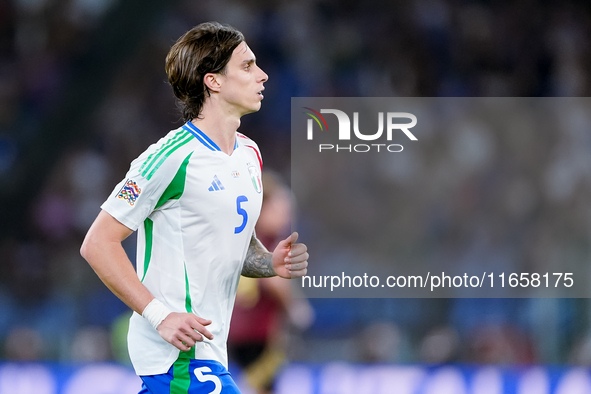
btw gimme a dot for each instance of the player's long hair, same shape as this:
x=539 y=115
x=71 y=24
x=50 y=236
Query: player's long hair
x=206 y=48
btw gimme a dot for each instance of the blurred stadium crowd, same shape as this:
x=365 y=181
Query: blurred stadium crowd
x=83 y=91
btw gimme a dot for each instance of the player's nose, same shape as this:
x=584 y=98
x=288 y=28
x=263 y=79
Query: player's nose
x=263 y=77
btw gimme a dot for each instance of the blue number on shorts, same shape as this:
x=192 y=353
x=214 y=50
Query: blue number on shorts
x=242 y=212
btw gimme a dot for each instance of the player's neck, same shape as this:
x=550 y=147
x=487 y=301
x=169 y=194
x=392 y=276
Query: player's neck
x=219 y=127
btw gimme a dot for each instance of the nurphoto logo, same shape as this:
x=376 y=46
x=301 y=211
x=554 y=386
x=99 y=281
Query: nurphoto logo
x=344 y=131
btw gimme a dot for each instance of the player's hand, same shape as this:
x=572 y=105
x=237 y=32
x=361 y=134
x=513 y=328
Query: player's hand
x=290 y=259
x=183 y=330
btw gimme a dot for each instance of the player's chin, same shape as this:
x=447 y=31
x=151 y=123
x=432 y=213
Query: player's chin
x=251 y=109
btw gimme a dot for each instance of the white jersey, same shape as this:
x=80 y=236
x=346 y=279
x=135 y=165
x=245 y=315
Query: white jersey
x=195 y=208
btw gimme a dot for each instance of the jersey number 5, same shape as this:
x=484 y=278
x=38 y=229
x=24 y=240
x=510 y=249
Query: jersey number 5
x=208 y=378
x=241 y=211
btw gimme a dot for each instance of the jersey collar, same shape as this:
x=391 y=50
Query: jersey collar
x=203 y=138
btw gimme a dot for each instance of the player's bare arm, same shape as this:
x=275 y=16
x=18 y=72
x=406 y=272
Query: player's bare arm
x=288 y=260
x=103 y=250
x=259 y=261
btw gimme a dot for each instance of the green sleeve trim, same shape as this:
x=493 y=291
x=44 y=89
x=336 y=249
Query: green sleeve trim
x=175 y=189
x=149 y=230
x=165 y=156
x=165 y=150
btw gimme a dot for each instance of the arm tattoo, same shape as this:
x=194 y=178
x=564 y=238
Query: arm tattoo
x=258 y=262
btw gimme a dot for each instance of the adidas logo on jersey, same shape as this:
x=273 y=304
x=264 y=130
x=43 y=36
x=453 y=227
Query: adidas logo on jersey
x=216 y=184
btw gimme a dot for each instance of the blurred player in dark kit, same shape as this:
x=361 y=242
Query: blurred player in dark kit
x=267 y=310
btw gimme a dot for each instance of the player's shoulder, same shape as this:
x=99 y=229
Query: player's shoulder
x=251 y=146
x=244 y=140
x=167 y=154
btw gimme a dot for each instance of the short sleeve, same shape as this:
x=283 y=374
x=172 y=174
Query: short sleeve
x=136 y=196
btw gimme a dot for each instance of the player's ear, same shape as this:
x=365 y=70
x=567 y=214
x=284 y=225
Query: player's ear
x=212 y=82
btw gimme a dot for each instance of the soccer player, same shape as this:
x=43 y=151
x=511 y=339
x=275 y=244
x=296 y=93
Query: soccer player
x=194 y=198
